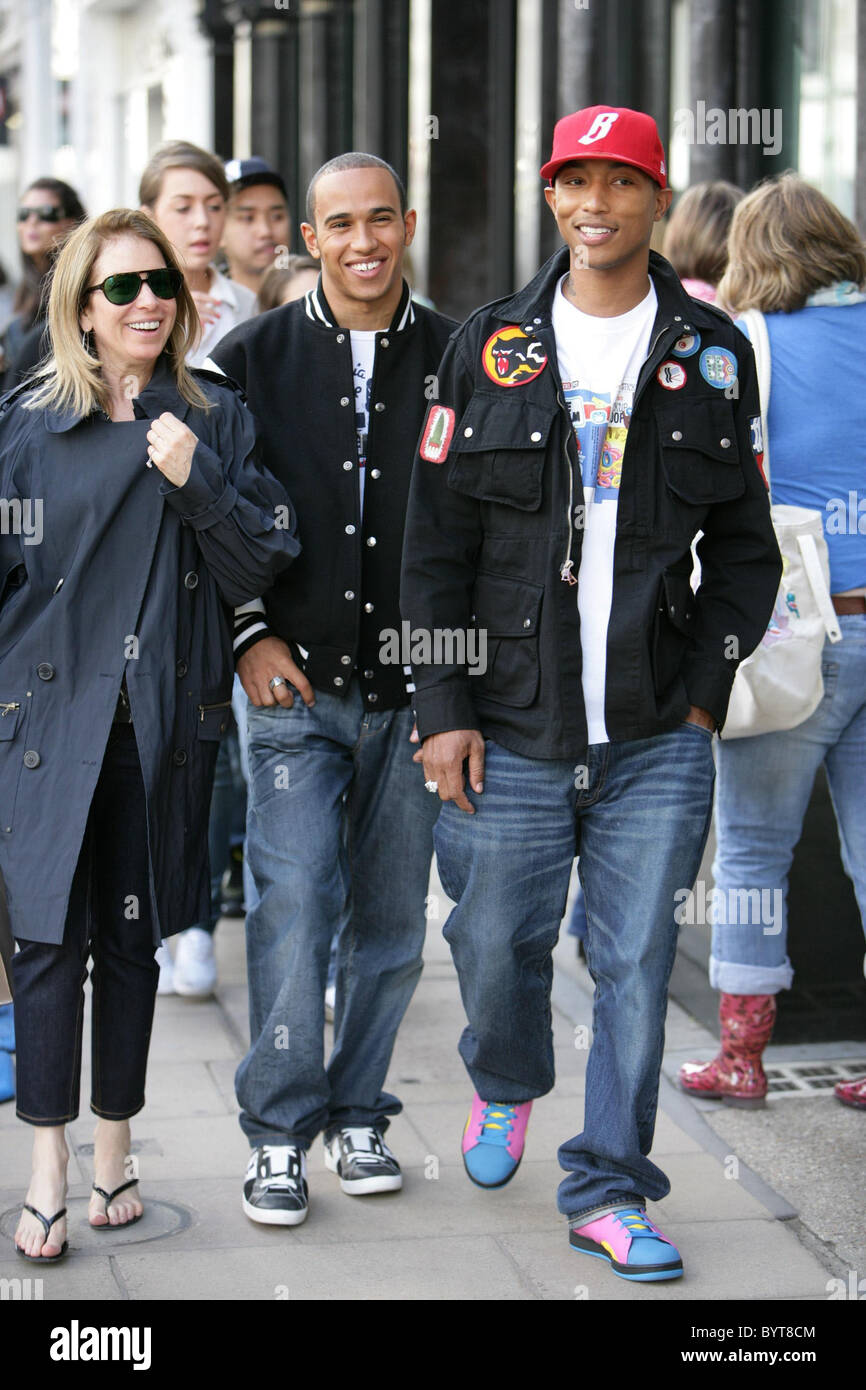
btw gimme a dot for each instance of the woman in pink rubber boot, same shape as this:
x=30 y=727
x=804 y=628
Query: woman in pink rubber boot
x=794 y=257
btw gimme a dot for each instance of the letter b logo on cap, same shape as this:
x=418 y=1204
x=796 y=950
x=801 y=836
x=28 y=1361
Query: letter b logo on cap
x=599 y=128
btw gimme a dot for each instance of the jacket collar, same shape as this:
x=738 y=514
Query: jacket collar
x=319 y=310
x=531 y=307
x=159 y=394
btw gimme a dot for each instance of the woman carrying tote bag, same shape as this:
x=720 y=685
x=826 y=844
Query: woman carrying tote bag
x=798 y=261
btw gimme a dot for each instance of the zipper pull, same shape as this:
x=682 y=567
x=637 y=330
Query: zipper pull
x=566 y=574
x=7 y=708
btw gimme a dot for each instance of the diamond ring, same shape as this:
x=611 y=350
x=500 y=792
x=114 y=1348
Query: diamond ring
x=432 y=786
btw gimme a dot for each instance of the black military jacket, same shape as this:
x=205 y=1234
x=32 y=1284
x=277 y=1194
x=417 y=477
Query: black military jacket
x=494 y=530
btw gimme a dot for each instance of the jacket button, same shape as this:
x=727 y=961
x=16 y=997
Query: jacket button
x=380 y=406
x=178 y=757
x=347 y=466
x=368 y=675
x=375 y=472
x=341 y=337
x=384 y=342
x=350 y=530
x=181 y=669
x=191 y=580
x=725 y=443
x=338 y=680
x=350 y=594
x=372 y=697
x=535 y=436
x=346 y=660
x=223 y=727
x=527 y=622
x=678 y=318
x=344 y=400
x=677 y=435
x=45 y=671
x=368 y=607
x=467 y=433
x=371 y=540
x=32 y=758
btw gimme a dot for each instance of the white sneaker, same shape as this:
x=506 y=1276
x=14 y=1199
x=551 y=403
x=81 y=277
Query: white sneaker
x=194 y=965
x=166 y=970
x=330 y=1002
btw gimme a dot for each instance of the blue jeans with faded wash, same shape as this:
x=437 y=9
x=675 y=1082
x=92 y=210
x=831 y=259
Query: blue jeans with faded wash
x=764 y=785
x=339 y=826
x=639 y=817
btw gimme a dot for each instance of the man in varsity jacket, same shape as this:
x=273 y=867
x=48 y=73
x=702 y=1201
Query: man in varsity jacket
x=339 y=824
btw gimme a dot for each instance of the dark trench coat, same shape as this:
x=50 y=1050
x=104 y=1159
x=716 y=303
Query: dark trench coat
x=112 y=570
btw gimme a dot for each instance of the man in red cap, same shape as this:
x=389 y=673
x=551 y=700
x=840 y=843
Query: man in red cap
x=587 y=429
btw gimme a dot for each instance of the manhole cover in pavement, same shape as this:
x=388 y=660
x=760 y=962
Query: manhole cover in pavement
x=160 y=1219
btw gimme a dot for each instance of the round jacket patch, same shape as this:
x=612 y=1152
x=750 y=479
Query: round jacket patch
x=672 y=376
x=511 y=358
x=687 y=345
x=718 y=366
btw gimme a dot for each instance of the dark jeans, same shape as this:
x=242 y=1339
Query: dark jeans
x=639 y=820
x=109 y=918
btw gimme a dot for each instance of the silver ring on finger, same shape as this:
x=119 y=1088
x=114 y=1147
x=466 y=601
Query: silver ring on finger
x=432 y=786
x=274 y=682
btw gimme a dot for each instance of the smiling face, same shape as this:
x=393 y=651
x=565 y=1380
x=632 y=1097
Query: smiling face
x=35 y=237
x=605 y=213
x=257 y=222
x=128 y=338
x=360 y=236
x=191 y=211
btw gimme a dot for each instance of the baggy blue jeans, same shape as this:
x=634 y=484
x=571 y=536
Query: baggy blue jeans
x=338 y=825
x=639 y=817
x=764 y=785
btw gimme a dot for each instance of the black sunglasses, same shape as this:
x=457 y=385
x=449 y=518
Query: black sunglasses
x=126 y=287
x=47 y=212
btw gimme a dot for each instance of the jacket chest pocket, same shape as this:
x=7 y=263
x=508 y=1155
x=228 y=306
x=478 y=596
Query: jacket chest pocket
x=700 y=455
x=499 y=451
x=506 y=617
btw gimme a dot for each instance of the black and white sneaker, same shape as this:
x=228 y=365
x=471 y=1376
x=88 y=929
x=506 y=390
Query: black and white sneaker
x=362 y=1161
x=275 y=1185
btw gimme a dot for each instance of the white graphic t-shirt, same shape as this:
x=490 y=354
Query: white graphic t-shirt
x=599 y=362
x=363 y=357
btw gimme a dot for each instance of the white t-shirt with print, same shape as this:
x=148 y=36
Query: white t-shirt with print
x=599 y=362
x=363 y=358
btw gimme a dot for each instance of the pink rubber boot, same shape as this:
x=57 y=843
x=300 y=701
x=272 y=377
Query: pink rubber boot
x=736 y=1075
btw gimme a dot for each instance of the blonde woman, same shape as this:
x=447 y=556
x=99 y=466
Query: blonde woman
x=139 y=481
x=795 y=257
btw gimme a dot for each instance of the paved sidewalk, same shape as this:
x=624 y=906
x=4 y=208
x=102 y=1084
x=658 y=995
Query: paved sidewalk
x=441 y=1238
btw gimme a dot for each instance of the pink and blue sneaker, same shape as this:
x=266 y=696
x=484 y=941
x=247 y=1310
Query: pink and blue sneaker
x=632 y=1245
x=493 y=1140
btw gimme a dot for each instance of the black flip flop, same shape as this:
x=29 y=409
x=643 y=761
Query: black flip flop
x=109 y=1198
x=44 y=1259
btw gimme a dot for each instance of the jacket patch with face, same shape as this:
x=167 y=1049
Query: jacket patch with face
x=511 y=358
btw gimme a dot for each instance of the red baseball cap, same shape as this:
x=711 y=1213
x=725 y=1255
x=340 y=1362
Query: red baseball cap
x=608 y=132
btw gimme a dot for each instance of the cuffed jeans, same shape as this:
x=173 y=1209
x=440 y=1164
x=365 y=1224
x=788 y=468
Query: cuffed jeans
x=638 y=814
x=109 y=918
x=764 y=785
x=338 y=824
